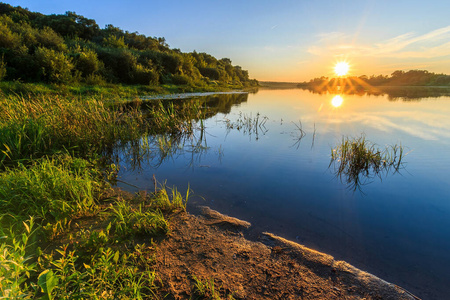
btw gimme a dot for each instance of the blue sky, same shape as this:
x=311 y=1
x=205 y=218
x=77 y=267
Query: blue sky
x=286 y=40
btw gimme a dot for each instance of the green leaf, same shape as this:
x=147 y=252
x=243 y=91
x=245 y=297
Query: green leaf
x=116 y=256
x=47 y=281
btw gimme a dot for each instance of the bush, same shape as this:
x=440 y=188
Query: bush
x=87 y=62
x=145 y=76
x=54 y=66
x=181 y=80
x=211 y=73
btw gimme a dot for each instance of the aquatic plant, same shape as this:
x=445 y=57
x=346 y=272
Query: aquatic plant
x=299 y=134
x=248 y=124
x=356 y=161
x=166 y=117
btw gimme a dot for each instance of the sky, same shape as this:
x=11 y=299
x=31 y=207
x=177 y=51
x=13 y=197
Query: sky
x=282 y=40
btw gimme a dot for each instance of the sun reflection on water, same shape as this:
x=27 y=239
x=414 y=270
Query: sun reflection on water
x=337 y=101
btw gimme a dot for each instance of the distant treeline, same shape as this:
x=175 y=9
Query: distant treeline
x=397 y=78
x=70 y=48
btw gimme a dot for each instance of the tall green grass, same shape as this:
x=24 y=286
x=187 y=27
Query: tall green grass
x=184 y=118
x=33 y=127
x=52 y=190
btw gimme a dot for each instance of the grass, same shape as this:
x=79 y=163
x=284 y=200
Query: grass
x=166 y=117
x=52 y=190
x=357 y=161
x=106 y=91
x=33 y=127
x=205 y=289
x=59 y=236
x=129 y=221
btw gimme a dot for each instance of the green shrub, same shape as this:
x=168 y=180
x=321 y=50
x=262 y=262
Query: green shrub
x=87 y=62
x=181 y=80
x=55 y=66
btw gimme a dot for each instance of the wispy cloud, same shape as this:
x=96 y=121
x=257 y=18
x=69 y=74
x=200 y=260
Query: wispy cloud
x=409 y=45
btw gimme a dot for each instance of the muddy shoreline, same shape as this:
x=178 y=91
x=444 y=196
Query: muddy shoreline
x=212 y=246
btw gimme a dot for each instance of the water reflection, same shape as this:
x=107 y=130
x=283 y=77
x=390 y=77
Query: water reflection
x=393 y=93
x=337 y=101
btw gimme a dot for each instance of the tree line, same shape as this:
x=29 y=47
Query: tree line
x=397 y=78
x=69 y=48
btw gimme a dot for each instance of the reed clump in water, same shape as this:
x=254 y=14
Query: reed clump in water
x=356 y=161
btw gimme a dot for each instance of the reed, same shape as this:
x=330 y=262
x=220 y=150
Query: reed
x=356 y=161
x=248 y=124
x=33 y=127
x=184 y=118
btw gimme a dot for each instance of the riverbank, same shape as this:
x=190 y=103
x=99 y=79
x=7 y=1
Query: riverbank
x=210 y=251
x=111 y=91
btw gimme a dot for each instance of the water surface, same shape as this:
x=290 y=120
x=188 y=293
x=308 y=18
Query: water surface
x=278 y=178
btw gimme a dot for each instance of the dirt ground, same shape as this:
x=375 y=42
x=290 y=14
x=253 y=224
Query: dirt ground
x=212 y=248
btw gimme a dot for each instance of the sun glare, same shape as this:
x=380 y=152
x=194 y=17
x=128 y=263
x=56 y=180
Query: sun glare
x=337 y=101
x=341 y=68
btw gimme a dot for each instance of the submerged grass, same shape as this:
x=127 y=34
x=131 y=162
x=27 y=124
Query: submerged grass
x=249 y=124
x=356 y=161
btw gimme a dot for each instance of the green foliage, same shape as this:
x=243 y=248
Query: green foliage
x=8 y=39
x=52 y=190
x=129 y=221
x=46 y=125
x=113 y=42
x=167 y=118
x=2 y=68
x=54 y=65
x=129 y=58
x=107 y=274
x=48 y=38
x=181 y=79
x=16 y=266
x=87 y=62
x=163 y=201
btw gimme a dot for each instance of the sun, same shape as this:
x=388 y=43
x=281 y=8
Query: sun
x=341 y=68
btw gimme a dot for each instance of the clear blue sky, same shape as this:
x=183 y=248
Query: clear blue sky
x=285 y=40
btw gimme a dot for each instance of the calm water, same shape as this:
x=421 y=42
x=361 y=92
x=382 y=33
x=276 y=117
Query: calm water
x=397 y=227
